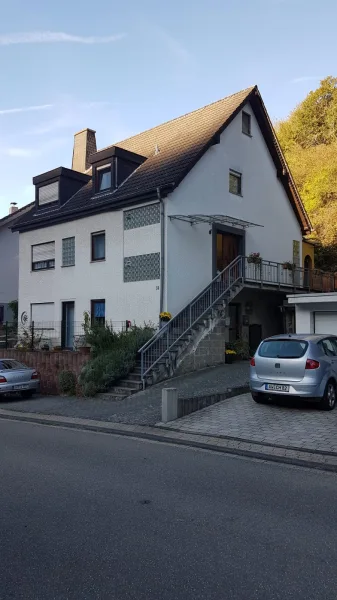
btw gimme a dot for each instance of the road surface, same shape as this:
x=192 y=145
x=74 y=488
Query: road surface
x=93 y=516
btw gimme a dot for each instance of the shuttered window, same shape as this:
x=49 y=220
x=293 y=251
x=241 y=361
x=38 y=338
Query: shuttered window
x=43 y=256
x=49 y=193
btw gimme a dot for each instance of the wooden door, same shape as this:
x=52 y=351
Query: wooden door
x=228 y=248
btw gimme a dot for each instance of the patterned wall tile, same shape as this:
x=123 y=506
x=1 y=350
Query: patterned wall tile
x=144 y=267
x=139 y=217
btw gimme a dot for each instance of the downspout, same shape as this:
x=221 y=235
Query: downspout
x=162 y=249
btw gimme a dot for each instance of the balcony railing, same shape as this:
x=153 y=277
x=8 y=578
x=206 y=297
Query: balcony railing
x=268 y=273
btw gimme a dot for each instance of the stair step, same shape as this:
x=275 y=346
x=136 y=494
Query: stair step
x=135 y=377
x=130 y=384
x=123 y=391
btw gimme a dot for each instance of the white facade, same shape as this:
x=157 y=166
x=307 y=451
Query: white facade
x=205 y=190
x=315 y=313
x=86 y=280
x=9 y=270
x=188 y=256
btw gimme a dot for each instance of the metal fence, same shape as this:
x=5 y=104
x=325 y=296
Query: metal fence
x=50 y=335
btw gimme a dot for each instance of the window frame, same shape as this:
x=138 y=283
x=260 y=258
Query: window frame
x=93 y=235
x=99 y=171
x=238 y=175
x=246 y=114
x=50 y=263
x=71 y=237
x=97 y=320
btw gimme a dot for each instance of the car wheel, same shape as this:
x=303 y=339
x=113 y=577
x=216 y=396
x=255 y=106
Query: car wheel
x=328 y=402
x=259 y=398
x=27 y=394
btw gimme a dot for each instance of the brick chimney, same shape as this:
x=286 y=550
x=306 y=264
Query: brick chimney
x=84 y=145
x=13 y=208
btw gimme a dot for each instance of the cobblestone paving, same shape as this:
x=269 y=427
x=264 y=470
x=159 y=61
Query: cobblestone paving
x=301 y=425
x=143 y=408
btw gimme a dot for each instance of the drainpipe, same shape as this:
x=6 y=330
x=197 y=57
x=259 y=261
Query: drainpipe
x=162 y=249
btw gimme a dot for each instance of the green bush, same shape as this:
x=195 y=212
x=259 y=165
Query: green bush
x=114 y=356
x=241 y=347
x=89 y=389
x=67 y=383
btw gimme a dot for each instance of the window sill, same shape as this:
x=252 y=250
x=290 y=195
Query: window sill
x=98 y=260
x=39 y=270
x=67 y=266
x=234 y=194
x=247 y=134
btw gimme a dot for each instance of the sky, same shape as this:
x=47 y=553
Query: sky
x=122 y=67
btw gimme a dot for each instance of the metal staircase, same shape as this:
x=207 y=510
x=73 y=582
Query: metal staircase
x=159 y=357
x=161 y=352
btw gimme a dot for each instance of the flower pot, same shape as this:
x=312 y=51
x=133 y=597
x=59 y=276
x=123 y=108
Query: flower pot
x=229 y=359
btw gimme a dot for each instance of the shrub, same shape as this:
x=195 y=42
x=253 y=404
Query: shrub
x=89 y=389
x=241 y=348
x=67 y=383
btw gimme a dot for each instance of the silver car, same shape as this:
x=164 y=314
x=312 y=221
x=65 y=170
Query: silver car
x=18 y=378
x=301 y=366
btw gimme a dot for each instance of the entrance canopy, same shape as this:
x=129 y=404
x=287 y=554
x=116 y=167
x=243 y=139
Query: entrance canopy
x=214 y=220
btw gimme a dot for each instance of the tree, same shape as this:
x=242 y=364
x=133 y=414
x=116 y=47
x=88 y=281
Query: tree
x=309 y=140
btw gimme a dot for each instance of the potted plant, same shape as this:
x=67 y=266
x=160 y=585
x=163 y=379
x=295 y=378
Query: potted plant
x=289 y=266
x=164 y=317
x=254 y=258
x=230 y=356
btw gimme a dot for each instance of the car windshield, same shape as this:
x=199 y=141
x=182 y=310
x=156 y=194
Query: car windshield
x=283 y=348
x=11 y=364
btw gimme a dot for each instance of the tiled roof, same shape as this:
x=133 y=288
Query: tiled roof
x=9 y=219
x=171 y=149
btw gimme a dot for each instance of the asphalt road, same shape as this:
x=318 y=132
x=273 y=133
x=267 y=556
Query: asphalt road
x=94 y=516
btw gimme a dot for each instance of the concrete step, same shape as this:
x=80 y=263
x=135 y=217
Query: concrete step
x=122 y=391
x=133 y=385
x=135 y=377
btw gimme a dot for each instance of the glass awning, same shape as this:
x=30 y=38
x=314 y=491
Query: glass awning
x=214 y=220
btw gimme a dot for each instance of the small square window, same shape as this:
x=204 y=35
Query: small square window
x=235 y=184
x=103 y=178
x=98 y=312
x=246 y=123
x=98 y=246
x=68 y=252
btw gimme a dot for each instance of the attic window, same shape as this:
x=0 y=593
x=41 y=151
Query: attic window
x=246 y=123
x=48 y=193
x=104 y=181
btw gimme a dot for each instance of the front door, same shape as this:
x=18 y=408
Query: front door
x=227 y=249
x=68 y=317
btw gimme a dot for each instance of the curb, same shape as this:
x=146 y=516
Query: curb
x=297 y=457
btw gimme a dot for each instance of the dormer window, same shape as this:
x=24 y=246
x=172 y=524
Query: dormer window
x=48 y=193
x=104 y=179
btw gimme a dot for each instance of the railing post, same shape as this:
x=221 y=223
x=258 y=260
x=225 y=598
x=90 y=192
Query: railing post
x=190 y=315
x=32 y=337
x=6 y=335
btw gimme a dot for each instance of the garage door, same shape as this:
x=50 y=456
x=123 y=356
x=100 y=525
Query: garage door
x=42 y=313
x=326 y=322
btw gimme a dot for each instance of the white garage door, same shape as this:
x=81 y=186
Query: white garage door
x=326 y=322
x=42 y=313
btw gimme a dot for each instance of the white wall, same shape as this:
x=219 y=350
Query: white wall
x=205 y=191
x=9 y=268
x=305 y=315
x=86 y=281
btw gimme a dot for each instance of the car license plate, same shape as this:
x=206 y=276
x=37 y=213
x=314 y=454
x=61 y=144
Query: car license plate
x=21 y=387
x=276 y=387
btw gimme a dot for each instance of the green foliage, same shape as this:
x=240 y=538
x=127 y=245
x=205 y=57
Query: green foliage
x=309 y=140
x=114 y=356
x=240 y=347
x=14 y=306
x=67 y=383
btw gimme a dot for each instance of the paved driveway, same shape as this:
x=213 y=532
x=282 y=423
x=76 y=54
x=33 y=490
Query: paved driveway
x=300 y=426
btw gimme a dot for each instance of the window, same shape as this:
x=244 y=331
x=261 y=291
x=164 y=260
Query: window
x=68 y=252
x=98 y=312
x=235 y=185
x=329 y=347
x=103 y=175
x=283 y=348
x=43 y=256
x=246 y=123
x=2 y=314
x=98 y=246
x=48 y=193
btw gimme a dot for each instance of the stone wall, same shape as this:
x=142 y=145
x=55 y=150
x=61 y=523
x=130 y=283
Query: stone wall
x=208 y=349
x=49 y=365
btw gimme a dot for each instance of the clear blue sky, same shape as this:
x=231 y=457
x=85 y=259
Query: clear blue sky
x=121 y=67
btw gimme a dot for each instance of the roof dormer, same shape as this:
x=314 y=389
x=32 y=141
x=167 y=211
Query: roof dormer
x=54 y=188
x=112 y=166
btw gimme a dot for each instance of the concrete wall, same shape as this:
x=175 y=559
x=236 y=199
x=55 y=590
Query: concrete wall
x=205 y=190
x=208 y=349
x=265 y=311
x=86 y=281
x=9 y=269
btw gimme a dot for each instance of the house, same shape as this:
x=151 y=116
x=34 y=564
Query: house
x=146 y=224
x=315 y=313
x=9 y=261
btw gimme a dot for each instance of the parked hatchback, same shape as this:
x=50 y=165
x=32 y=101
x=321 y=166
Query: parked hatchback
x=301 y=366
x=16 y=377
